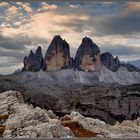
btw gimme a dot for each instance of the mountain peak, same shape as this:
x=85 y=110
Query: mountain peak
x=57 y=56
x=34 y=61
x=31 y=53
x=39 y=48
x=39 y=51
x=86 y=40
x=57 y=38
x=110 y=62
x=87 y=56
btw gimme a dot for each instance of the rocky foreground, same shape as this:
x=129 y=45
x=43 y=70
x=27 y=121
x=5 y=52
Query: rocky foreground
x=108 y=102
x=95 y=84
x=21 y=120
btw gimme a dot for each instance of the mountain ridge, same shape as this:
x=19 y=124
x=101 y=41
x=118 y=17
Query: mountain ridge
x=88 y=58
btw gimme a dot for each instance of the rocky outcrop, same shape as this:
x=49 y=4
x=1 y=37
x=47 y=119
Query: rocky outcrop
x=21 y=120
x=130 y=67
x=107 y=102
x=136 y=63
x=76 y=127
x=34 y=61
x=57 y=56
x=25 y=121
x=87 y=56
x=96 y=128
x=110 y=62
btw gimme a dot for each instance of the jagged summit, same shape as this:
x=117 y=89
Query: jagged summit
x=86 y=40
x=31 y=53
x=57 y=39
x=39 y=51
x=34 y=61
x=57 y=56
x=110 y=62
x=88 y=58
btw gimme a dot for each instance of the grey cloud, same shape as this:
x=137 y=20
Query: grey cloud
x=124 y=21
x=13 y=50
x=14 y=43
x=78 y=25
x=13 y=54
x=19 y=42
x=120 y=23
x=119 y=50
x=9 y=64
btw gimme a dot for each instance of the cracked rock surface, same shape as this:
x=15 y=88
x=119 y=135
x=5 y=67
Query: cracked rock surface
x=21 y=120
x=26 y=121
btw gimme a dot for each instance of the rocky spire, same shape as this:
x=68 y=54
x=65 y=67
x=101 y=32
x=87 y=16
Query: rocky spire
x=39 y=51
x=34 y=61
x=57 y=56
x=87 y=56
x=110 y=62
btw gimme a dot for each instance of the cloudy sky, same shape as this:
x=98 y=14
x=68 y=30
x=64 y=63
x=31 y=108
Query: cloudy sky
x=113 y=26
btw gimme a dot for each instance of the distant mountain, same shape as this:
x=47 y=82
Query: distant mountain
x=93 y=83
x=135 y=63
x=88 y=57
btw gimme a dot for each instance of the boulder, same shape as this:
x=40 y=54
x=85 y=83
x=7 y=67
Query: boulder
x=87 y=56
x=57 y=56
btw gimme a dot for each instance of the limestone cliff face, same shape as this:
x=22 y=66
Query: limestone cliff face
x=57 y=56
x=34 y=61
x=110 y=62
x=87 y=56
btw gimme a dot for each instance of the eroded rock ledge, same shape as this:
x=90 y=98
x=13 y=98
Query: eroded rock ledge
x=26 y=121
x=21 y=120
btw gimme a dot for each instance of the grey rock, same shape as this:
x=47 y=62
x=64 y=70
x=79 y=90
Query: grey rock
x=110 y=62
x=72 y=63
x=106 y=102
x=57 y=56
x=126 y=129
x=34 y=61
x=135 y=63
x=26 y=121
x=87 y=56
x=130 y=67
x=39 y=57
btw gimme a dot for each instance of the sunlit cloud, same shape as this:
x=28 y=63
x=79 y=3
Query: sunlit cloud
x=13 y=10
x=4 y=4
x=112 y=26
x=46 y=6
